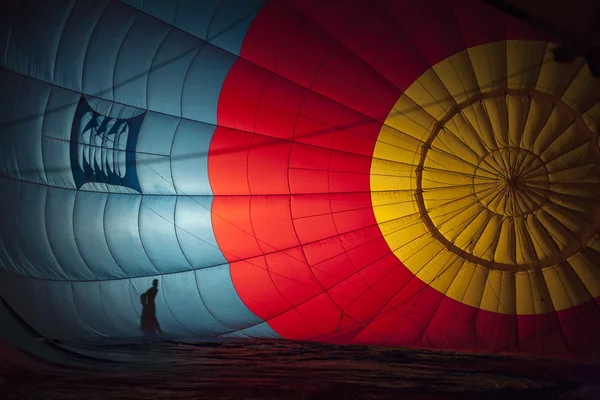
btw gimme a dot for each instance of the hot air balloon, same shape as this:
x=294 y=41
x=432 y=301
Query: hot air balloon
x=417 y=174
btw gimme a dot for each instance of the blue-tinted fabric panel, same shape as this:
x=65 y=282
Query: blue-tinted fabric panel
x=103 y=49
x=87 y=297
x=157 y=231
x=64 y=312
x=13 y=257
x=195 y=233
x=156 y=134
x=32 y=234
x=57 y=163
x=9 y=98
x=260 y=331
x=231 y=21
x=203 y=84
x=183 y=299
x=168 y=323
x=169 y=69
x=88 y=222
x=189 y=158
x=60 y=204
x=221 y=299
x=73 y=47
x=35 y=36
x=134 y=60
x=27 y=130
x=29 y=299
x=119 y=307
x=195 y=16
x=123 y=235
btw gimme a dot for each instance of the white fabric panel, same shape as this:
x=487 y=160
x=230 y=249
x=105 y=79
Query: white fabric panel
x=189 y=158
x=64 y=312
x=61 y=234
x=123 y=236
x=156 y=134
x=195 y=17
x=33 y=235
x=261 y=331
x=87 y=297
x=58 y=118
x=119 y=308
x=88 y=223
x=35 y=37
x=27 y=130
x=158 y=234
x=72 y=49
x=103 y=48
x=182 y=296
x=168 y=72
x=221 y=299
x=203 y=84
x=231 y=21
x=9 y=99
x=168 y=323
x=12 y=256
x=134 y=59
x=195 y=231
x=154 y=174
x=57 y=163
x=29 y=299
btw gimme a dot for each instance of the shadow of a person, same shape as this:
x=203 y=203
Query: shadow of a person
x=149 y=324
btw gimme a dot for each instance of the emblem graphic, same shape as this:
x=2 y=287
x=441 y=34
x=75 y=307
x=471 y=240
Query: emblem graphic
x=103 y=148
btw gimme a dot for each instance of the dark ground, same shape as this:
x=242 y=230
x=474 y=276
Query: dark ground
x=285 y=370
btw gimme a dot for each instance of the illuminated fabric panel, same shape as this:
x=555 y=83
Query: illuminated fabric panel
x=413 y=175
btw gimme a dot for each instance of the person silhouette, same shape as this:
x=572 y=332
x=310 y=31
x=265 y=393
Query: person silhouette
x=149 y=324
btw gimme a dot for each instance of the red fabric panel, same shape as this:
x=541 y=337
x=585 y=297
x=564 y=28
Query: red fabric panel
x=227 y=161
x=279 y=108
x=272 y=223
x=233 y=227
x=267 y=168
x=479 y=22
x=252 y=281
x=291 y=325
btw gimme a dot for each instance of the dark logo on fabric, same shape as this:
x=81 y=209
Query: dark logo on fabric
x=103 y=148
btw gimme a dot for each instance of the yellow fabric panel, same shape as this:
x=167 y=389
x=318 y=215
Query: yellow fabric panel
x=556 y=288
x=471 y=234
x=577 y=292
x=397 y=224
x=462 y=129
x=498 y=115
x=478 y=119
x=456 y=74
x=583 y=92
x=392 y=168
x=486 y=245
x=586 y=266
x=449 y=143
x=554 y=78
x=441 y=273
x=525 y=249
x=490 y=299
x=554 y=126
x=409 y=118
x=430 y=94
x=539 y=112
x=440 y=160
x=540 y=293
x=542 y=242
x=489 y=65
x=505 y=249
x=512 y=179
x=523 y=62
x=518 y=108
x=474 y=290
x=524 y=294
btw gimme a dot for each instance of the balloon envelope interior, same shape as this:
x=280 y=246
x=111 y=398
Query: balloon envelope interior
x=389 y=173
